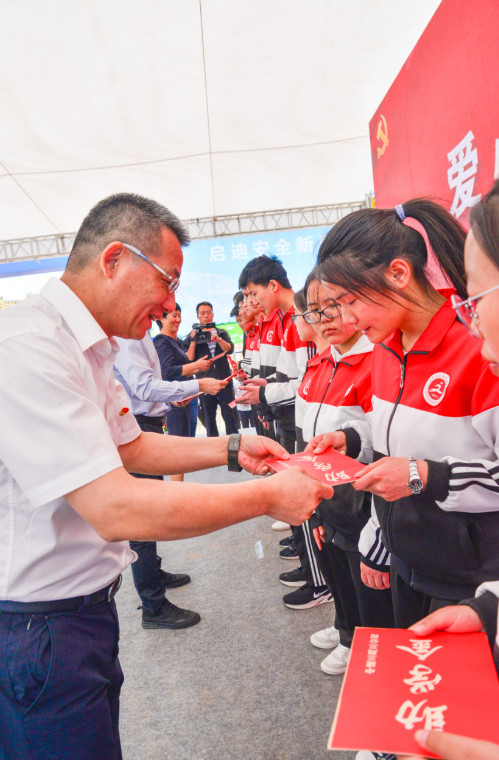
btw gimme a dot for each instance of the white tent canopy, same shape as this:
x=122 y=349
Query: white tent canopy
x=209 y=106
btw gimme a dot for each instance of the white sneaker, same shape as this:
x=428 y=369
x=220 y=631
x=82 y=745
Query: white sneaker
x=336 y=663
x=326 y=639
x=279 y=525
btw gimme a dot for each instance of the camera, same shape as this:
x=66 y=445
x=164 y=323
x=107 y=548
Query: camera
x=202 y=336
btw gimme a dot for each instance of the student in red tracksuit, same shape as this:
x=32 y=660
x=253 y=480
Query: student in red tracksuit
x=337 y=392
x=434 y=531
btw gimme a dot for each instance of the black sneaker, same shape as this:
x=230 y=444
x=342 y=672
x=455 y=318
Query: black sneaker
x=170 y=616
x=289 y=552
x=307 y=596
x=288 y=541
x=173 y=580
x=294 y=577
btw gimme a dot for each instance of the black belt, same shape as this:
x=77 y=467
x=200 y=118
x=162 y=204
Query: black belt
x=63 y=605
x=156 y=422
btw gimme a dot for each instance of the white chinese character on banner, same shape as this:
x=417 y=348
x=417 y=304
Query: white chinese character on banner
x=239 y=251
x=420 y=648
x=282 y=247
x=261 y=248
x=304 y=244
x=461 y=175
x=410 y=714
x=217 y=253
x=420 y=683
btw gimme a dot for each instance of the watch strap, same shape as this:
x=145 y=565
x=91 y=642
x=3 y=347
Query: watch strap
x=233 y=450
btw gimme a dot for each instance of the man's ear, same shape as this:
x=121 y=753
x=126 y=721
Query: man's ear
x=273 y=285
x=110 y=258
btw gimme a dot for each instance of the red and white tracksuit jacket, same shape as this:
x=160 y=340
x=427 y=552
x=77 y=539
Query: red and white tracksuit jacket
x=439 y=402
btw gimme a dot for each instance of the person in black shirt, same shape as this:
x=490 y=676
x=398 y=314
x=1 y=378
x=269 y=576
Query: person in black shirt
x=209 y=343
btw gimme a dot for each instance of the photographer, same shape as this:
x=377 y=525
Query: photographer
x=206 y=341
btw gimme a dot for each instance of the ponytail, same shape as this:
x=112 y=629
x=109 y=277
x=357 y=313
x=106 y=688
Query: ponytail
x=357 y=251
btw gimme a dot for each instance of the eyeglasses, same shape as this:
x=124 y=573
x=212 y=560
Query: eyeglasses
x=330 y=312
x=466 y=310
x=173 y=282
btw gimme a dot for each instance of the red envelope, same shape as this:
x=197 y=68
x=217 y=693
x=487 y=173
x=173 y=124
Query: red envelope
x=330 y=467
x=397 y=682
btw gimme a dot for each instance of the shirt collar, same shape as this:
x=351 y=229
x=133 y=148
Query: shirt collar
x=361 y=347
x=80 y=321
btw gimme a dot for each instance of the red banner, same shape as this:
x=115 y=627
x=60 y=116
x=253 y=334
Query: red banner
x=436 y=132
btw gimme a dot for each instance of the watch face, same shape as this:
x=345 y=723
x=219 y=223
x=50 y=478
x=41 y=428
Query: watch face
x=416 y=485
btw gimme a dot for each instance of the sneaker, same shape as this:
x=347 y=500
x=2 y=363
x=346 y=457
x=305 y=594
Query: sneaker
x=288 y=541
x=336 y=663
x=279 y=525
x=294 y=577
x=364 y=754
x=170 y=616
x=326 y=639
x=289 y=552
x=173 y=580
x=307 y=596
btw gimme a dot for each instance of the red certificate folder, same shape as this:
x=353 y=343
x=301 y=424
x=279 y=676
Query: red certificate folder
x=397 y=682
x=330 y=467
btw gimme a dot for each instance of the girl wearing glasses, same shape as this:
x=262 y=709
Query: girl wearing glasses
x=434 y=530
x=335 y=391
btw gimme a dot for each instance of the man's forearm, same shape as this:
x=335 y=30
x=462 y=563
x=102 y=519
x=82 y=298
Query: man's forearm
x=151 y=510
x=152 y=454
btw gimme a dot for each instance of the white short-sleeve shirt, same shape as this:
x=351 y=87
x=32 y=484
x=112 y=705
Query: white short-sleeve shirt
x=63 y=415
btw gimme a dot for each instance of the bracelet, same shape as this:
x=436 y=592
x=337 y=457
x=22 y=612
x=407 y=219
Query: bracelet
x=233 y=450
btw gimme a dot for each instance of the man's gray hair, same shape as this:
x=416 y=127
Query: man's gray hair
x=126 y=217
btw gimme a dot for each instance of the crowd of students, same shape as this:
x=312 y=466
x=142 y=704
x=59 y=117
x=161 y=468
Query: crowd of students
x=378 y=357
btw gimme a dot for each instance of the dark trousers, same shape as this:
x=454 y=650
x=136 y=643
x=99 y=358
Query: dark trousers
x=355 y=603
x=411 y=605
x=209 y=405
x=145 y=569
x=178 y=421
x=60 y=680
x=245 y=418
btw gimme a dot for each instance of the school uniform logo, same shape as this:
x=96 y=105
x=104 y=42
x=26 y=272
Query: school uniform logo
x=306 y=387
x=270 y=335
x=435 y=388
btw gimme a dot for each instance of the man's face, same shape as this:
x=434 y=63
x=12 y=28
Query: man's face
x=263 y=297
x=142 y=291
x=205 y=314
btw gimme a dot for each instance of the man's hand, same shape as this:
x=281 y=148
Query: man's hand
x=454 y=747
x=320 y=443
x=201 y=365
x=374 y=578
x=255 y=449
x=388 y=477
x=211 y=385
x=293 y=495
x=457 y=618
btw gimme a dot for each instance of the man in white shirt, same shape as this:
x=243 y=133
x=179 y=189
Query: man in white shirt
x=67 y=501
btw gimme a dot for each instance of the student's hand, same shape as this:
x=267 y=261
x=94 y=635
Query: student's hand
x=211 y=385
x=250 y=394
x=255 y=449
x=255 y=381
x=320 y=443
x=388 y=477
x=319 y=535
x=454 y=747
x=374 y=578
x=293 y=495
x=456 y=618
x=201 y=365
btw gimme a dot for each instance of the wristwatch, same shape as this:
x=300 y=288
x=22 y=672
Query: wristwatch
x=415 y=483
x=233 y=450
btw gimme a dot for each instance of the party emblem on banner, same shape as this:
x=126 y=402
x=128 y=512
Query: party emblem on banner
x=382 y=134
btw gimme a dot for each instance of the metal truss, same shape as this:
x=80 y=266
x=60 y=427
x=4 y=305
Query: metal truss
x=49 y=246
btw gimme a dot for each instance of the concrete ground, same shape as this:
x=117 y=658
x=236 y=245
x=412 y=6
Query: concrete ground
x=243 y=684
